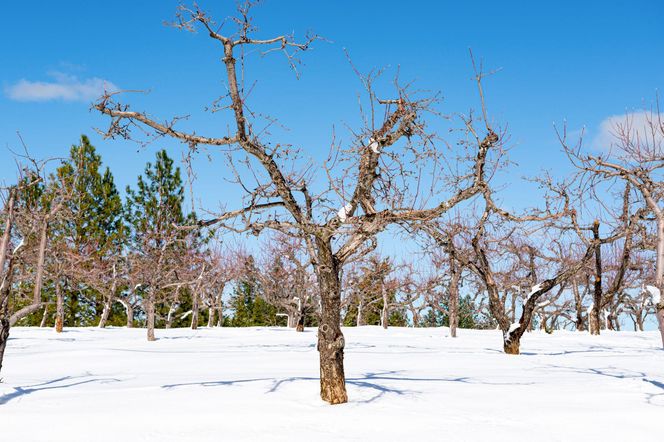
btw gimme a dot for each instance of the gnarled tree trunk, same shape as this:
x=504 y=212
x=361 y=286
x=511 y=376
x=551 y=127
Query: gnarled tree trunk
x=330 y=338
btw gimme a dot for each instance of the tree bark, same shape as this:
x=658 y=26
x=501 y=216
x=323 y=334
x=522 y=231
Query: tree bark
x=4 y=336
x=5 y=322
x=301 y=315
x=194 y=310
x=42 y=324
x=210 y=323
x=106 y=312
x=385 y=312
x=578 y=303
x=454 y=297
x=512 y=344
x=330 y=338
x=59 y=307
x=149 y=311
x=594 y=317
x=659 y=272
x=300 y=323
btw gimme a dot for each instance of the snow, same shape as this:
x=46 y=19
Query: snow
x=344 y=211
x=374 y=146
x=654 y=293
x=513 y=328
x=534 y=289
x=18 y=247
x=262 y=384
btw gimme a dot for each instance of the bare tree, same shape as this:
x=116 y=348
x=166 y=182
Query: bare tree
x=636 y=157
x=281 y=199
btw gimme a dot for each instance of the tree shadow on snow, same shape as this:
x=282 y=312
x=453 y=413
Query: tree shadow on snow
x=373 y=381
x=655 y=398
x=50 y=385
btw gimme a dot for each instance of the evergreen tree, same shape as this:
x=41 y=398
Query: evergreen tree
x=94 y=230
x=437 y=317
x=249 y=307
x=153 y=210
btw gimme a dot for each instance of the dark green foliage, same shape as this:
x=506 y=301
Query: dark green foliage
x=468 y=318
x=156 y=204
x=250 y=309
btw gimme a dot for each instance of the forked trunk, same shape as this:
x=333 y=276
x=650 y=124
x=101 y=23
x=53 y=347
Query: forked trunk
x=511 y=345
x=150 y=316
x=109 y=301
x=330 y=338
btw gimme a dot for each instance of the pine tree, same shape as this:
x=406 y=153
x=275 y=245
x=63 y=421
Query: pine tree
x=153 y=210
x=94 y=231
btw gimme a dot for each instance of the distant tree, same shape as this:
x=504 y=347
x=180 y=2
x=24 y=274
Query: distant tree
x=154 y=210
x=92 y=237
x=374 y=295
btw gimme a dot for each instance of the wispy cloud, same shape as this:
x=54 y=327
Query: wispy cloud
x=63 y=87
x=637 y=124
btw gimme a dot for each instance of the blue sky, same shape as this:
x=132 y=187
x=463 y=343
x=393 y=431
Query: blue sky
x=579 y=61
x=582 y=62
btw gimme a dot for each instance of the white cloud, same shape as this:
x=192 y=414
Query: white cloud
x=636 y=124
x=64 y=87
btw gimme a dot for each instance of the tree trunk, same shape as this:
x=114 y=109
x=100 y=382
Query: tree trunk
x=454 y=298
x=660 y=320
x=149 y=311
x=171 y=312
x=358 y=321
x=594 y=320
x=59 y=307
x=106 y=312
x=300 y=323
x=42 y=324
x=594 y=316
x=210 y=323
x=220 y=311
x=659 y=274
x=194 y=310
x=638 y=322
x=4 y=336
x=330 y=338
x=5 y=322
x=109 y=301
x=385 y=312
x=511 y=344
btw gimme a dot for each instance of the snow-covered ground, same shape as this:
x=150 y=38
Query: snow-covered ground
x=262 y=384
